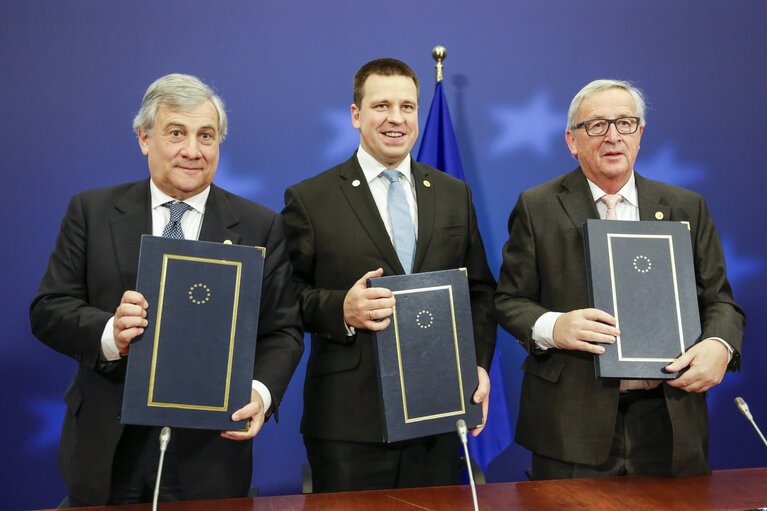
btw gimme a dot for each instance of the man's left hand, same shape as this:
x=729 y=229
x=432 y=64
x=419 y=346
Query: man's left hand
x=482 y=395
x=254 y=411
x=706 y=363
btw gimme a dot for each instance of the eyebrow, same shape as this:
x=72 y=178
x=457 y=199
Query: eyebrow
x=176 y=124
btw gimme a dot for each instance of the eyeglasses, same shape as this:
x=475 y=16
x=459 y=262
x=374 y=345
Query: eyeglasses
x=599 y=127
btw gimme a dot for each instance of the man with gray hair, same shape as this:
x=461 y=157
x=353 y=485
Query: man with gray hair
x=86 y=308
x=578 y=425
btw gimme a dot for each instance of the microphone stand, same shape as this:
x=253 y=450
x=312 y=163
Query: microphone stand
x=461 y=428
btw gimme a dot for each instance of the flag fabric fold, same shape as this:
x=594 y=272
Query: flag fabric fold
x=439 y=149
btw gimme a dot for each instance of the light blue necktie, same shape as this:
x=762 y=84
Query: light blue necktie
x=173 y=228
x=401 y=221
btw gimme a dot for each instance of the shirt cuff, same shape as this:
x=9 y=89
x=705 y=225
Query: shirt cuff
x=730 y=349
x=266 y=396
x=109 y=350
x=543 y=330
x=350 y=330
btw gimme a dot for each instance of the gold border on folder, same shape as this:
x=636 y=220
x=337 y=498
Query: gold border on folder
x=615 y=295
x=225 y=406
x=409 y=419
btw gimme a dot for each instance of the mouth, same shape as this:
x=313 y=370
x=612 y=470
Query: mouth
x=393 y=134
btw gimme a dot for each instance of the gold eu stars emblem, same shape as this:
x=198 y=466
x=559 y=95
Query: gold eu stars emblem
x=424 y=319
x=199 y=293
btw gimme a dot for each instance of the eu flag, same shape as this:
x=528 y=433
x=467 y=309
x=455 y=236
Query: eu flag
x=440 y=150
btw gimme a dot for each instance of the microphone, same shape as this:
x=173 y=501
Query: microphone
x=743 y=407
x=461 y=428
x=164 y=440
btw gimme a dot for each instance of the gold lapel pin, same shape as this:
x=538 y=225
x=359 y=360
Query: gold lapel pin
x=356 y=182
x=659 y=215
x=426 y=183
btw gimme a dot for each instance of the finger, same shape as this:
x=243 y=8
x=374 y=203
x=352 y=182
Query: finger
x=134 y=297
x=588 y=347
x=380 y=302
x=126 y=322
x=379 y=314
x=130 y=310
x=599 y=315
x=377 y=326
x=363 y=281
x=592 y=336
x=254 y=426
x=680 y=363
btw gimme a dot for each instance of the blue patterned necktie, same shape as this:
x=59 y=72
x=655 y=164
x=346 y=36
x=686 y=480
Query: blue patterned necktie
x=173 y=228
x=401 y=221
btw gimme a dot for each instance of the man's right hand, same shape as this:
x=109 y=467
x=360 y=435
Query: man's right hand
x=579 y=329
x=364 y=305
x=130 y=319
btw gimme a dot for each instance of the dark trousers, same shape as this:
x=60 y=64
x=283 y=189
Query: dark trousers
x=642 y=442
x=134 y=470
x=352 y=466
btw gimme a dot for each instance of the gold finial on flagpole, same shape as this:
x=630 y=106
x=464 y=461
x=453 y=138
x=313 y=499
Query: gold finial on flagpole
x=439 y=53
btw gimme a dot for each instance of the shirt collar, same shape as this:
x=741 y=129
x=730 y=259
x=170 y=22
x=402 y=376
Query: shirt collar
x=372 y=168
x=196 y=202
x=629 y=191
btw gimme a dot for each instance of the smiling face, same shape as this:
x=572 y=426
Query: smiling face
x=387 y=118
x=608 y=160
x=182 y=149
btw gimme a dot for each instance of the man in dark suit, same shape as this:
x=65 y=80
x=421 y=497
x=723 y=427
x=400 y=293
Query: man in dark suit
x=340 y=234
x=576 y=424
x=86 y=308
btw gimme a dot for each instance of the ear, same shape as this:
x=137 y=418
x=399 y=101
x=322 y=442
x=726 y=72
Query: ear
x=143 y=141
x=355 y=116
x=570 y=139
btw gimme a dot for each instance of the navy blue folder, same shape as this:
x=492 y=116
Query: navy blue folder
x=193 y=365
x=427 y=364
x=643 y=274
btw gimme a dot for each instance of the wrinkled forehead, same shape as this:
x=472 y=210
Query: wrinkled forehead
x=609 y=103
x=201 y=115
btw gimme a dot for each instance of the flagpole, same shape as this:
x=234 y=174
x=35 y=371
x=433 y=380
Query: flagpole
x=439 y=53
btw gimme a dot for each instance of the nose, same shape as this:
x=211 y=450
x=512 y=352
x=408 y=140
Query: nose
x=612 y=134
x=191 y=148
x=395 y=116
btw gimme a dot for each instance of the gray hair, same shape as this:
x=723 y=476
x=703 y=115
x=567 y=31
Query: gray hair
x=599 y=86
x=177 y=92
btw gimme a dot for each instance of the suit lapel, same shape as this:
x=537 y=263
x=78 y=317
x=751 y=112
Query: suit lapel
x=651 y=205
x=426 y=210
x=576 y=199
x=219 y=218
x=361 y=201
x=132 y=220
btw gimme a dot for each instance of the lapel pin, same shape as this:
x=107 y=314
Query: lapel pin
x=356 y=183
x=659 y=215
x=426 y=183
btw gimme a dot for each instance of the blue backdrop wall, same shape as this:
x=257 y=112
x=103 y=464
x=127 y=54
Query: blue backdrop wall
x=72 y=75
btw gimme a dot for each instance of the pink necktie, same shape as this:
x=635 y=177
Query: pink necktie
x=610 y=201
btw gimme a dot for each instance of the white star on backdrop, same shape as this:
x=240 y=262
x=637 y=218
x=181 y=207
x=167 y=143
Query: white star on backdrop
x=345 y=138
x=664 y=166
x=534 y=126
x=245 y=184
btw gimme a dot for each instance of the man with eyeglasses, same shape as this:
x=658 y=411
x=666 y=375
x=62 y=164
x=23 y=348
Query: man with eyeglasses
x=578 y=425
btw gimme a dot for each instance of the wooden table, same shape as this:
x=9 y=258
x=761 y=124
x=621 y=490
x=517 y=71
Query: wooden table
x=723 y=490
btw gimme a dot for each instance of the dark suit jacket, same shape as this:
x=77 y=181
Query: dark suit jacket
x=94 y=262
x=336 y=235
x=566 y=412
